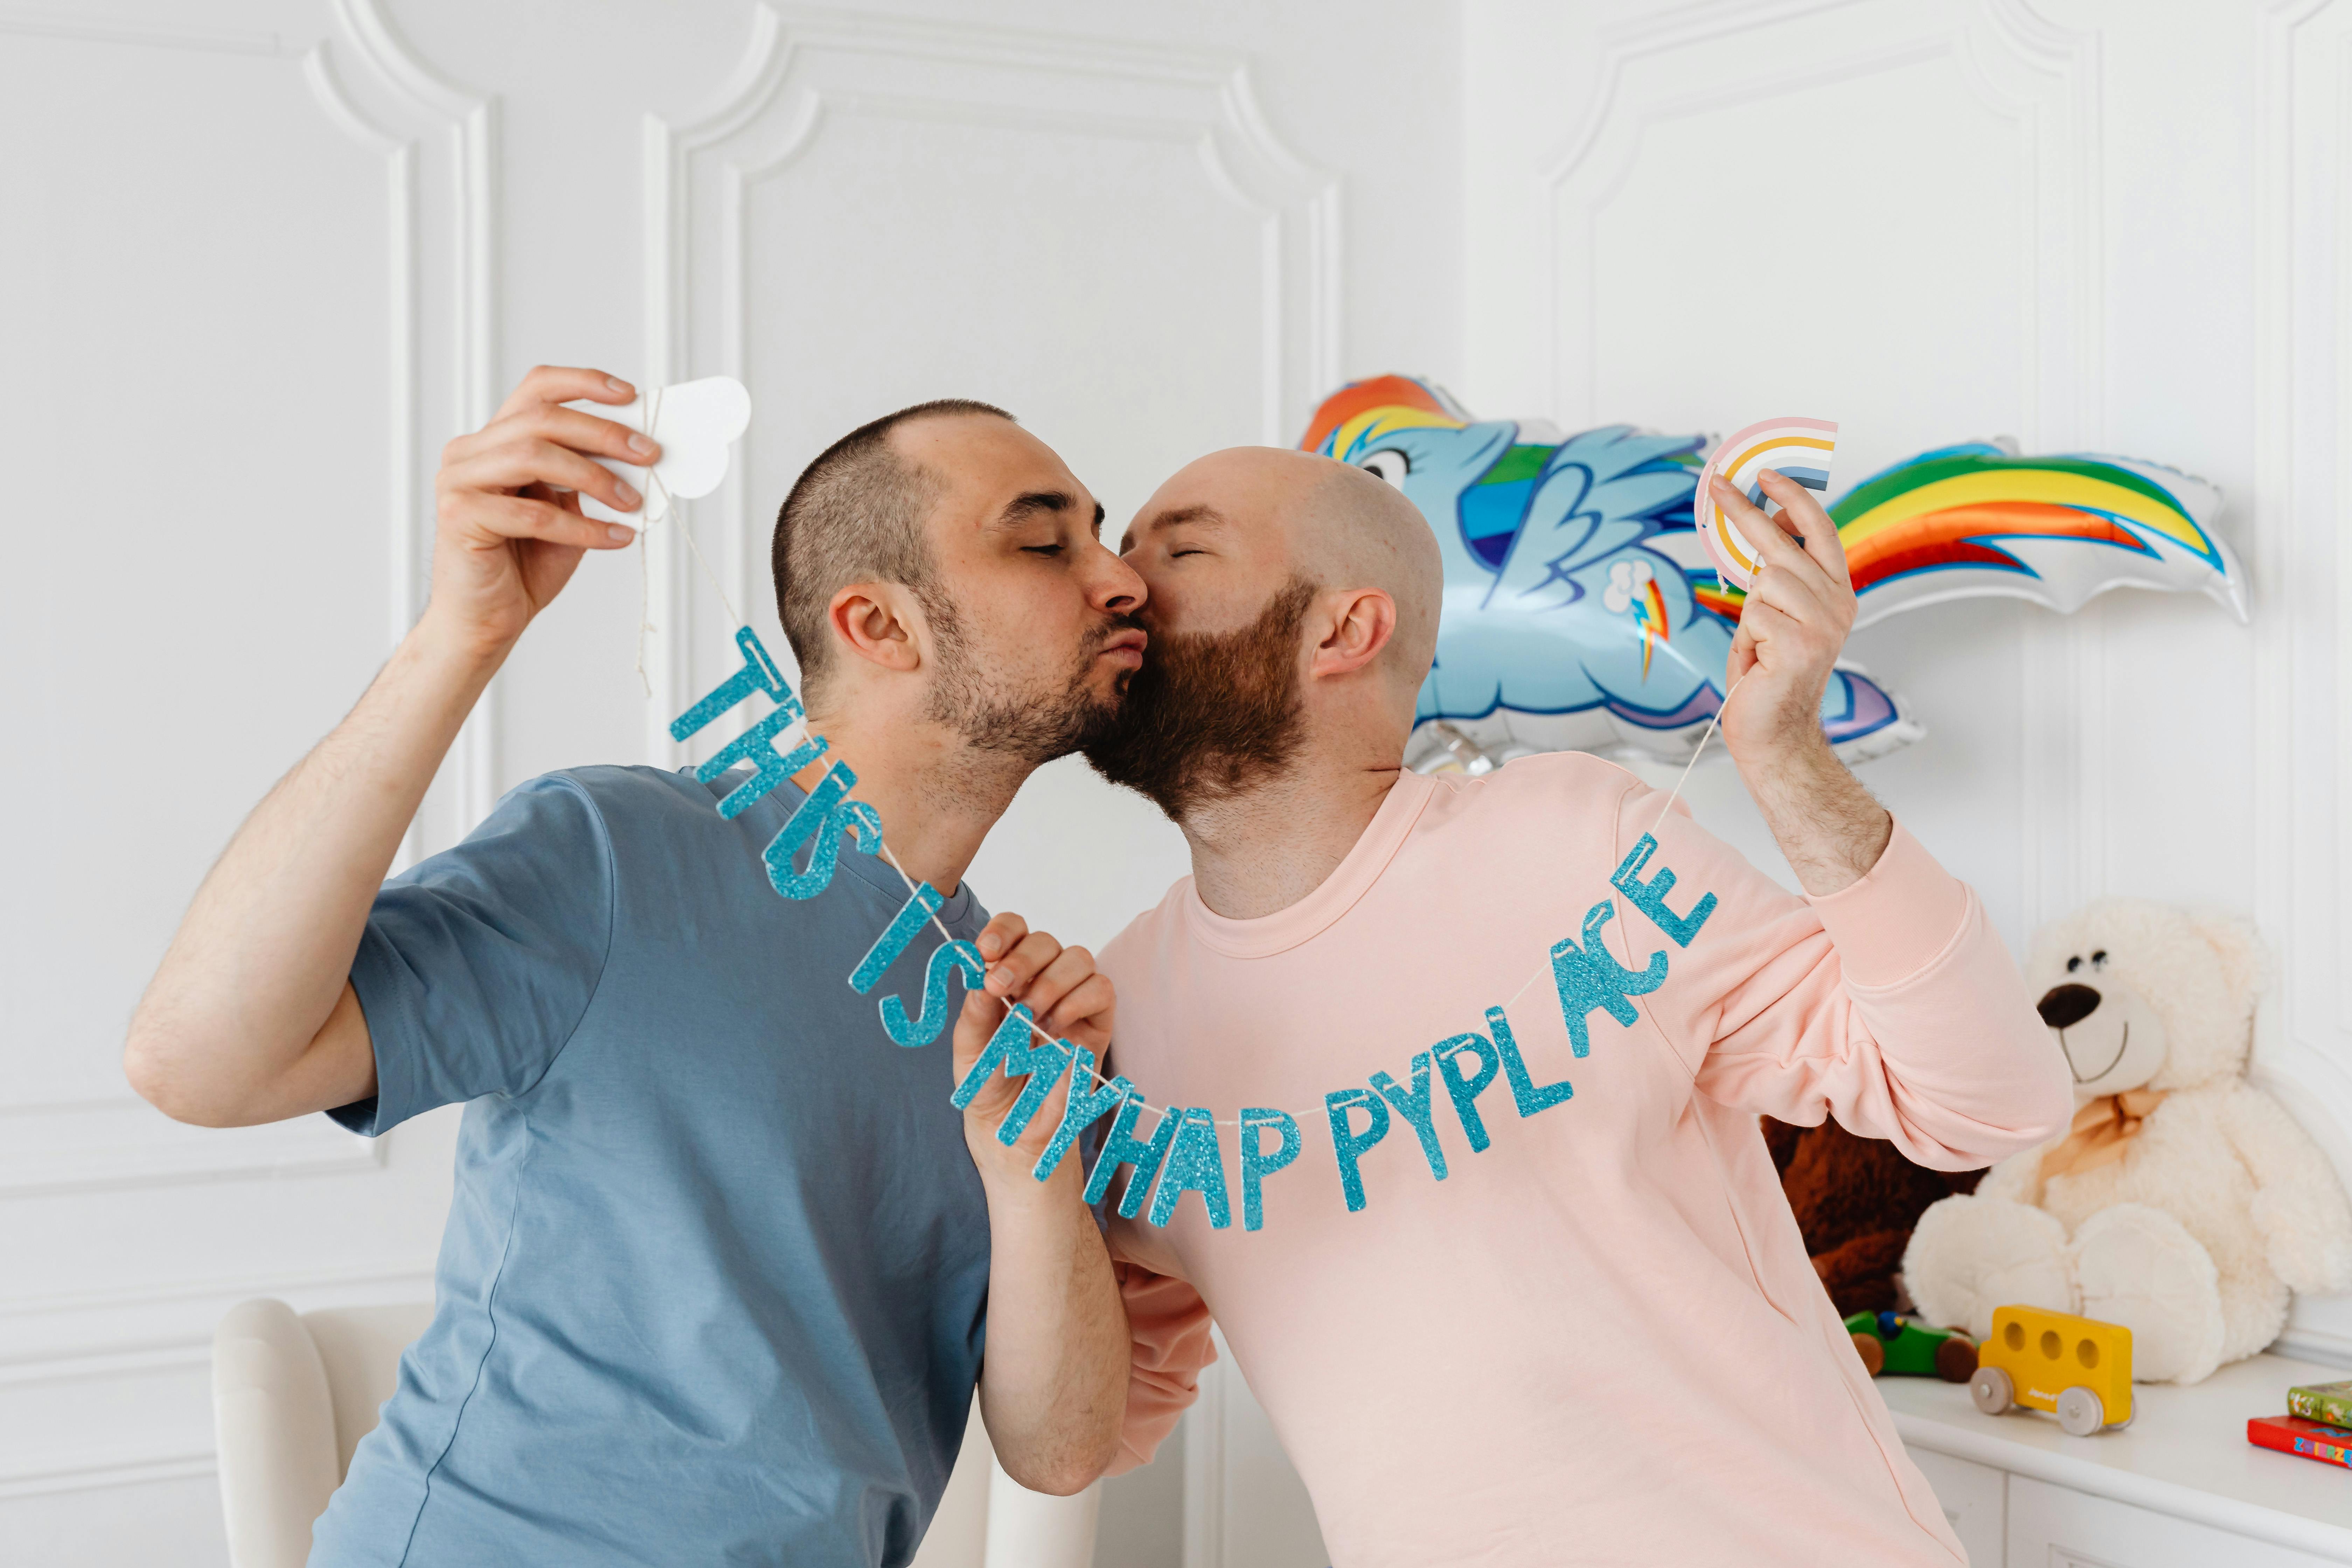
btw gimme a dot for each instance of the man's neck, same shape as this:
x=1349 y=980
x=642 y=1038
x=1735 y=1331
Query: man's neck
x=937 y=795
x=1259 y=852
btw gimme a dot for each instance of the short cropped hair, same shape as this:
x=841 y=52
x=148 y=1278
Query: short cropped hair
x=854 y=515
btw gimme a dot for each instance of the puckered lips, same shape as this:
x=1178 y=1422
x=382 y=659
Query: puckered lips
x=1125 y=648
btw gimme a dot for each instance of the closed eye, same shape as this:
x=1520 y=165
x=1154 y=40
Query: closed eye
x=1041 y=550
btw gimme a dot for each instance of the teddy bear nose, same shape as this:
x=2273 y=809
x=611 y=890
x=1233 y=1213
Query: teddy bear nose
x=2063 y=1007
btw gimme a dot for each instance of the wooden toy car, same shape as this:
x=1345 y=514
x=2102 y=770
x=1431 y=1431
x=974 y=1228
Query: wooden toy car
x=2078 y=1370
x=1902 y=1347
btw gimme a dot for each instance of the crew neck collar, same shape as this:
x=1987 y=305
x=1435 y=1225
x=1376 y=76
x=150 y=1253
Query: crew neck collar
x=872 y=870
x=1316 y=912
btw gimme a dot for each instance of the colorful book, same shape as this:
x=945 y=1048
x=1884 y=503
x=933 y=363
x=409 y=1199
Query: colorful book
x=2329 y=1402
x=2330 y=1444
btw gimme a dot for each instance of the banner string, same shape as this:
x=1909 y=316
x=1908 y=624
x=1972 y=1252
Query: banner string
x=800 y=727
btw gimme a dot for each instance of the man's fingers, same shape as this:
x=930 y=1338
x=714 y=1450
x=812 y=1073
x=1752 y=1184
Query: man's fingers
x=587 y=432
x=1800 y=596
x=1765 y=535
x=516 y=517
x=1801 y=515
x=1085 y=1013
x=524 y=460
x=1009 y=976
x=978 y=1020
x=1068 y=969
x=1001 y=935
x=1761 y=623
x=563 y=384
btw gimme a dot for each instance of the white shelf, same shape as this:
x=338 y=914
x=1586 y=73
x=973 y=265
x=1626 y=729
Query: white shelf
x=2184 y=1455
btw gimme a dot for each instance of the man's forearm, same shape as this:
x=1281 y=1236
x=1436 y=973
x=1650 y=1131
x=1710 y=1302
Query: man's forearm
x=1826 y=824
x=1052 y=1386
x=260 y=961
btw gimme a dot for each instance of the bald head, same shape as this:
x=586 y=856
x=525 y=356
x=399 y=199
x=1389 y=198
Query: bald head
x=1282 y=516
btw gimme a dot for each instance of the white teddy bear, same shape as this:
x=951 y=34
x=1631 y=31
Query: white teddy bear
x=2183 y=1203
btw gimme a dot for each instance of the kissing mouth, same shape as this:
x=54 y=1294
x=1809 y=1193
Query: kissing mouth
x=1131 y=641
x=2121 y=1045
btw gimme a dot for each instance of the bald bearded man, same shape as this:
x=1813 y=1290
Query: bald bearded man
x=1550 y=1306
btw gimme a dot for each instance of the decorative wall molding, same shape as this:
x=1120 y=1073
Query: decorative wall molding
x=2044 y=78
x=2302 y=601
x=773 y=107
x=96 y=1145
x=143 y=1347
x=115 y=1141
x=1204 y=1462
x=464 y=180
x=146 y=1346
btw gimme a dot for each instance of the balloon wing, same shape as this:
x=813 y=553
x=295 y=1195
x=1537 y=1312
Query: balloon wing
x=1977 y=519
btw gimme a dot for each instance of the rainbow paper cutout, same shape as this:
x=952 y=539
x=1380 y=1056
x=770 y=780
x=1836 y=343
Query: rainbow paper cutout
x=1798 y=448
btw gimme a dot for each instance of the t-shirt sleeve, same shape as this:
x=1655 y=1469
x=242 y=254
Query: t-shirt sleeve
x=1169 y=1344
x=1891 y=1005
x=476 y=965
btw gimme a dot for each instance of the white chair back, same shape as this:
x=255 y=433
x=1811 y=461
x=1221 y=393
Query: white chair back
x=294 y=1393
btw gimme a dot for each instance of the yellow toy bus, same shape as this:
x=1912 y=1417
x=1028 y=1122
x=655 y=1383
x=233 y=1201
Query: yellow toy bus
x=2078 y=1370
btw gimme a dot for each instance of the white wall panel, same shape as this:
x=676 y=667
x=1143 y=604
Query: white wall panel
x=227 y=343
x=264 y=257
x=2083 y=222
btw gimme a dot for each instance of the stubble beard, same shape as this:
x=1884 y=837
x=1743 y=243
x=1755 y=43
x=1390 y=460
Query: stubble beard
x=1013 y=727
x=1211 y=715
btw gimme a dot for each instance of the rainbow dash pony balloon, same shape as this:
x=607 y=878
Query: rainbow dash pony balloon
x=1581 y=612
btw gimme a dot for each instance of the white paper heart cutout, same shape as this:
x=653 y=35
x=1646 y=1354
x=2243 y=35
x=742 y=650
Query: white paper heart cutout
x=695 y=421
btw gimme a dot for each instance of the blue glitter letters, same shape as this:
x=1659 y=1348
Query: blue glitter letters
x=1465 y=1092
x=920 y=906
x=1349 y=1146
x=759 y=674
x=1085 y=1107
x=1526 y=1093
x=922 y=1031
x=1650 y=897
x=1013 y=1048
x=1415 y=1107
x=757 y=745
x=1123 y=1148
x=1195 y=1162
x=1258 y=1167
x=825 y=816
x=1587 y=977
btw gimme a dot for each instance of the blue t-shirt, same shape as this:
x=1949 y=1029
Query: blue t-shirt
x=713 y=1285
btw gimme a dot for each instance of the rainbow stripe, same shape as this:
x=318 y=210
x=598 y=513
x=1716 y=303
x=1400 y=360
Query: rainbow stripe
x=1950 y=509
x=1363 y=410
x=1798 y=448
x=1649 y=615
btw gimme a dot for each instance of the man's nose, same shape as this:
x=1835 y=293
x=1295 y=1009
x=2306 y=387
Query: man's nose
x=1119 y=588
x=2063 y=1007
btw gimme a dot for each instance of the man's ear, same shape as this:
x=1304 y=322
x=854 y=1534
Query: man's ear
x=875 y=621
x=1363 y=620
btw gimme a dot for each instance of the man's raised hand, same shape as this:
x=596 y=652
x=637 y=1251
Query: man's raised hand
x=509 y=531
x=1799 y=608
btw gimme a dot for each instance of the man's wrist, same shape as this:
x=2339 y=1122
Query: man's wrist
x=452 y=642
x=1008 y=1177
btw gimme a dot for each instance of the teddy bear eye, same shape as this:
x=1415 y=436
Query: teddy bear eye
x=2074 y=965
x=2099 y=959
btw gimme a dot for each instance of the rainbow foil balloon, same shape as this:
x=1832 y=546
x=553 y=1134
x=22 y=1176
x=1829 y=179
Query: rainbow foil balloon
x=1798 y=448
x=1585 y=608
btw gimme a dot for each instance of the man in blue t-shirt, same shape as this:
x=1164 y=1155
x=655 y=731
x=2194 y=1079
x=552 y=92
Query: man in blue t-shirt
x=721 y=1254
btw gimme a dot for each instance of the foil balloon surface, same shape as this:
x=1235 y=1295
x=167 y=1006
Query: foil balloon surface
x=1584 y=611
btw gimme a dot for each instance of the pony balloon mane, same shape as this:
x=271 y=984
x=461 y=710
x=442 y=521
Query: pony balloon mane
x=1581 y=612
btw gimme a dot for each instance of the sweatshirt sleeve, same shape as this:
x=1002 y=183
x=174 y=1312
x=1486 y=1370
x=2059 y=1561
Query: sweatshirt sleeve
x=1891 y=1005
x=1169 y=1344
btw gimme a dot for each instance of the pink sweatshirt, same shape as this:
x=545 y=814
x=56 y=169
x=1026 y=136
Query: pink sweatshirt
x=1598 y=1338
